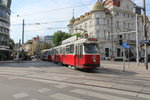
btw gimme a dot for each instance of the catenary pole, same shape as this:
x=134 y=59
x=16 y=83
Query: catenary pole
x=145 y=34
x=23 y=32
x=137 y=41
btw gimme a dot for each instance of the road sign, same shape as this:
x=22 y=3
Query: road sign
x=145 y=41
x=125 y=45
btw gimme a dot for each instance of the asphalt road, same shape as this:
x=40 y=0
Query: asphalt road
x=38 y=80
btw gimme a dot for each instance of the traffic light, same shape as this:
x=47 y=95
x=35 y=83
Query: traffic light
x=120 y=39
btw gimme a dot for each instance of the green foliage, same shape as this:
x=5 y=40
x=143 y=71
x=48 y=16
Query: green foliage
x=11 y=43
x=59 y=36
x=45 y=46
x=78 y=34
x=29 y=42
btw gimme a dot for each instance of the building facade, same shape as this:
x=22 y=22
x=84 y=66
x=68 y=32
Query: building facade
x=4 y=29
x=106 y=21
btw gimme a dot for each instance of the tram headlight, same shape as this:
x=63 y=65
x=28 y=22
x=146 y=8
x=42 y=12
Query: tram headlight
x=94 y=60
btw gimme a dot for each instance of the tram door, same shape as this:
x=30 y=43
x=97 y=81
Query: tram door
x=79 y=54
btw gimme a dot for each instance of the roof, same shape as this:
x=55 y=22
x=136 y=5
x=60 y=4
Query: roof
x=98 y=6
x=72 y=20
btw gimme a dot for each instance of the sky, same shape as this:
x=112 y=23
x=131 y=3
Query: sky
x=44 y=17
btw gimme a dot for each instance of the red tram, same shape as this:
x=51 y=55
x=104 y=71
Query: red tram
x=80 y=53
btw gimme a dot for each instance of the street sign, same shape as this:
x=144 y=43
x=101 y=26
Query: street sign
x=125 y=45
x=145 y=41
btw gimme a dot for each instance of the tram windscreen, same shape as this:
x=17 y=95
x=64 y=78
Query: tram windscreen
x=91 y=48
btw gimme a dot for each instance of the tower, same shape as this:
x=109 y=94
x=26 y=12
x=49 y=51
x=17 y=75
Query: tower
x=98 y=15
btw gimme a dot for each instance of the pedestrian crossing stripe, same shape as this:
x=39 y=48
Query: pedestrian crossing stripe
x=60 y=96
x=98 y=95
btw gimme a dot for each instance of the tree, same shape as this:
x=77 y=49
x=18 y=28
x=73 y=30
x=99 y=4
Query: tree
x=59 y=36
x=78 y=34
x=45 y=46
x=11 y=43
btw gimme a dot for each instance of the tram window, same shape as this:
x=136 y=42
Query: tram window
x=64 y=51
x=91 y=48
x=76 y=50
x=60 y=50
x=57 y=51
x=68 y=49
x=81 y=49
x=72 y=48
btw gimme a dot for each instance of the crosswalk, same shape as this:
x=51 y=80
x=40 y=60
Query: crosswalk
x=98 y=95
x=60 y=96
x=83 y=93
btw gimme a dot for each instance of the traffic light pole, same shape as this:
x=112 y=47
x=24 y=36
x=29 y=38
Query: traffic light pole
x=124 y=58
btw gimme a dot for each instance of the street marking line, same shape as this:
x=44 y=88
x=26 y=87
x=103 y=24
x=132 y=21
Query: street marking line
x=98 y=95
x=20 y=95
x=60 y=96
x=32 y=99
x=144 y=96
x=115 y=91
x=43 y=90
x=61 y=86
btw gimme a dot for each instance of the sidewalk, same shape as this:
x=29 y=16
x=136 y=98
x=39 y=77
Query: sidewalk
x=131 y=67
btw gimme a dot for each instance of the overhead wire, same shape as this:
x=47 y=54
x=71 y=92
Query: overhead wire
x=51 y=10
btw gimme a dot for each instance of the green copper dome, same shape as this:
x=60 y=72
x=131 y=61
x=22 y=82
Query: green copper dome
x=72 y=20
x=98 y=6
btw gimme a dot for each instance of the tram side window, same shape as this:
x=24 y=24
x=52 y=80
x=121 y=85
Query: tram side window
x=64 y=51
x=60 y=50
x=57 y=51
x=76 y=50
x=68 y=49
x=71 y=48
x=81 y=49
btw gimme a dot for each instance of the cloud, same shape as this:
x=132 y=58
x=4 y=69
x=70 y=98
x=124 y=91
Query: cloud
x=30 y=11
x=27 y=10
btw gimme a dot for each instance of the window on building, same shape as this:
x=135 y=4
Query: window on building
x=97 y=21
x=109 y=37
x=85 y=26
x=132 y=27
x=108 y=23
x=97 y=31
x=4 y=2
x=124 y=25
x=128 y=7
x=128 y=16
x=124 y=15
x=117 y=25
x=90 y=23
x=128 y=25
x=80 y=26
x=104 y=34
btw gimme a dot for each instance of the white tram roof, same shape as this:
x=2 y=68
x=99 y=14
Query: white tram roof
x=79 y=40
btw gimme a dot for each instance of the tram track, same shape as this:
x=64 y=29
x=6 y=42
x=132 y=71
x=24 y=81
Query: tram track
x=116 y=80
x=71 y=83
x=26 y=76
